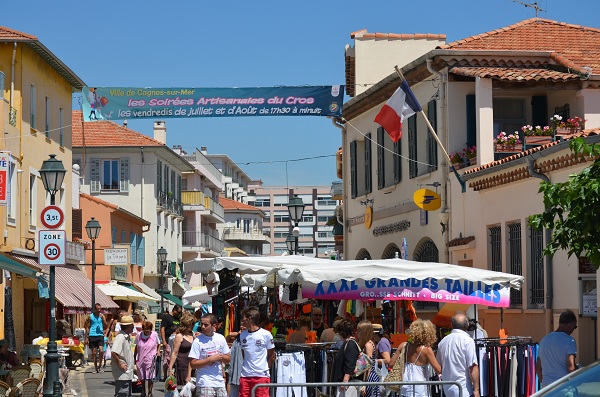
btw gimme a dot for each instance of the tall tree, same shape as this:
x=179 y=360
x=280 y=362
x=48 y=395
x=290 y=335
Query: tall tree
x=572 y=208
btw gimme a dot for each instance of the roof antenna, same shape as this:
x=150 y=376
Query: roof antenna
x=532 y=5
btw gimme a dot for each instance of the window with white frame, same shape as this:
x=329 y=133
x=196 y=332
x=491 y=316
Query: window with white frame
x=11 y=210
x=109 y=175
x=33 y=200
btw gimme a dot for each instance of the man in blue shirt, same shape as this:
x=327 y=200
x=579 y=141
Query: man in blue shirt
x=557 y=351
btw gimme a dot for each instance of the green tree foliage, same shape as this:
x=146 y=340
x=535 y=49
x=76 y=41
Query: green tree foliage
x=573 y=209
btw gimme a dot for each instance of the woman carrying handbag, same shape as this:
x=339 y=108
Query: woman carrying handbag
x=419 y=358
x=344 y=362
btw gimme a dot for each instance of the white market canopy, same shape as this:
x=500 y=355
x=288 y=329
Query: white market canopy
x=387 y=279
x=121 y=292
x=196 y=294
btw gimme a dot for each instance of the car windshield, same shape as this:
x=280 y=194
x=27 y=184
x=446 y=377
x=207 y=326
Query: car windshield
x=585 y=382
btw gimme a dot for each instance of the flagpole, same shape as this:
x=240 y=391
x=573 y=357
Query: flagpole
x=437 y=139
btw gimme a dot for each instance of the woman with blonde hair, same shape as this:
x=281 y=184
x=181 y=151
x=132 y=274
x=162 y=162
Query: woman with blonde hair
x=181 y=348
x=419 y=357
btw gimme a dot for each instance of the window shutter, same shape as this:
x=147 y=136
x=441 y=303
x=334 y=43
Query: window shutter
x=113 y=235
x=380 y=158
x=166 y=181
x=398 y=161
x=158 y=177
x=539 y=110
x=413 y=166
x=368 y=174
x=124 y=181
x=471 y=121
x=141 y=257
x=353 y=170
x=95 y=176
x=432 y=150
x=133 y=248
x=178 y=191
x=76 y=223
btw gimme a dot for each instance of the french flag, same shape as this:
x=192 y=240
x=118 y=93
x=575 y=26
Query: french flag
x=401 y=105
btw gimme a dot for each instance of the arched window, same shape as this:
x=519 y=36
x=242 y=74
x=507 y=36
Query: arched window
x=391 y=251
x=363 y=254
x=426 y=251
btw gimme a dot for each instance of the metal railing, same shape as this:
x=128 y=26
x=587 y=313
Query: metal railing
x=200 y=239
x=329 y=389
x=233 y=233
x=201 y=159
x=167 y=202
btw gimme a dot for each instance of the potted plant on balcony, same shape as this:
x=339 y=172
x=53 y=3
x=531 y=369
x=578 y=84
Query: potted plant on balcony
x=537 y=135
x=457 y=159
x=471 y=153
x=508 y=142
x=568 y=127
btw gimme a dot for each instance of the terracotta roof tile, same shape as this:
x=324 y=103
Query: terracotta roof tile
x=107 y=133
x=460 y=241
x=574 y=46
x=404 y=36
x=15 y=35
x=514 y=74
x=229 y=204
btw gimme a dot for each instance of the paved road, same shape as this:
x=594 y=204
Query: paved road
x=86 y=383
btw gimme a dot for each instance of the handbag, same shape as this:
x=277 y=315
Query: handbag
x=397 y=372
x=363 y=362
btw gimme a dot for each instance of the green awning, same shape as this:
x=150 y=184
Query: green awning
x=16 y=267
x=177 y=301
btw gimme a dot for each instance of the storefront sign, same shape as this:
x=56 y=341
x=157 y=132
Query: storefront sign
x=116 y=256
x=368 y=217
x=4 y=172
x=118 y=273
x=427 y=200
x=430 y=290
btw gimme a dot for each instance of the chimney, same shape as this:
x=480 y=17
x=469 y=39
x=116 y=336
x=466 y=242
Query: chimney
x=160 y=131
x=204 y=150
x=125 y=123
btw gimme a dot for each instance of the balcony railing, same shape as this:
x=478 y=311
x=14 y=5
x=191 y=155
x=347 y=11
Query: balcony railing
x=239 y=234
x=168 y=203
x=200 y=239
x=200 y=158
x=200 y=199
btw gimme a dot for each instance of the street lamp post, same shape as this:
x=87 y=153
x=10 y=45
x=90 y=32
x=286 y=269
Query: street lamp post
x=52 y=173
x=296 y=209
x=92 y=227
x=161 y=254
x=291 y=242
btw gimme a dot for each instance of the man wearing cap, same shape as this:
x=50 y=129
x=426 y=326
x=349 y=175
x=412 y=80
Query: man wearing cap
x=7 y=358
x=122 y=361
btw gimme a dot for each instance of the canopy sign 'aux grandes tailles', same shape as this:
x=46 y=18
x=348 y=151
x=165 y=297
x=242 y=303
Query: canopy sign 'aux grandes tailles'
x=114 y=103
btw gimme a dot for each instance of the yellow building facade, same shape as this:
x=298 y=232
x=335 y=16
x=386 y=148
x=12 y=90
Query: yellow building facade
x=36 y=91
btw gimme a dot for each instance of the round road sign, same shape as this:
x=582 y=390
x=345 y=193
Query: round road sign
x=52 y=251
x=52 y=217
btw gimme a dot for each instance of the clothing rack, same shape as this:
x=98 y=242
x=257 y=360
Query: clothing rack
x=508 y=341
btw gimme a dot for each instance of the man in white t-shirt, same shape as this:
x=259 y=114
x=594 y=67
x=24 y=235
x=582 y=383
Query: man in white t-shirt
x=208 y=353
x=456 y=354
x=258 y=350
x=557 y=351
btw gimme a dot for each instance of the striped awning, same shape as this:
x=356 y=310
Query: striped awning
x=73 y=288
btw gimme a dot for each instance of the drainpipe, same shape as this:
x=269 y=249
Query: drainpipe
x=12 y=74
x=336 y=122
x=444 y=164
x=547 y=233
x=142 y=186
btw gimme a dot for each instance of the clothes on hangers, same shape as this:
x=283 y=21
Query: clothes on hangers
x=290 y=368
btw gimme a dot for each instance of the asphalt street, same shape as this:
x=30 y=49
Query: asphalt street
x=85 y=382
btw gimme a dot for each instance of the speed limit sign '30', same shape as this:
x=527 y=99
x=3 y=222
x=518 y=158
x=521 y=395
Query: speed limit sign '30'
x=52 y=247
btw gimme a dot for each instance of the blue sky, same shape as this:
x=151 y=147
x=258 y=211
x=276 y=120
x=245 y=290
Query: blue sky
x=251 y=44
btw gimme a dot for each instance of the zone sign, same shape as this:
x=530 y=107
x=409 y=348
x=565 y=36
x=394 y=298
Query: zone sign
x=52 y=217
x=52 y=247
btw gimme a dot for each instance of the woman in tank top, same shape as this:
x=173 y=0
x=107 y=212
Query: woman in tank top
x=181 y=348
x=419 y=358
